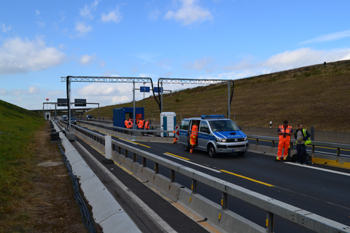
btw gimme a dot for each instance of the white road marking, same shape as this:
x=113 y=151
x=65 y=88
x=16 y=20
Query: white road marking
x=318 y=168
x=196 y=164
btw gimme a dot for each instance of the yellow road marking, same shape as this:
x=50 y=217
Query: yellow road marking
x=331 y=148
x=177 y=156
x=247 y=178
x=118 y=137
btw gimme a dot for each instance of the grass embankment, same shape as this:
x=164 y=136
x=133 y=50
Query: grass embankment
x=17 y=127
x=314 y=96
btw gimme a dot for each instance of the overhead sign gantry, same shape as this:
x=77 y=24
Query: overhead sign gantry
x=98 y=79
x=161 y=81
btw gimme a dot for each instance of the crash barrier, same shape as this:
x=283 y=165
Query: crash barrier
x=107 y=212
x=135 y=135
x=322 y=136
x=313 y=145
x=219 y=216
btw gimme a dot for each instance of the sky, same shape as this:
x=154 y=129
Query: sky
x=42 y=41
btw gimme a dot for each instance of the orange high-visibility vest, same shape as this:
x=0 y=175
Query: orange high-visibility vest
x=288 y=130
x=140 y=124
x=126 y=123
x=130 y=124
x=147 y=125
x=194 y=130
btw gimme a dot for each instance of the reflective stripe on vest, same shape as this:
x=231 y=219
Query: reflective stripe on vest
x=194 y=130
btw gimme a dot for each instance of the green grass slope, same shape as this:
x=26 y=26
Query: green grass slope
x=314 y=96
x=17 y=128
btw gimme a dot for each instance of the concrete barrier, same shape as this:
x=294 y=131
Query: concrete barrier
x=106 y=211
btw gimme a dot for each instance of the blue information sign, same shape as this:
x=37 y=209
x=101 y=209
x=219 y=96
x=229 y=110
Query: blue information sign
x=155 y=89
x=144 y=89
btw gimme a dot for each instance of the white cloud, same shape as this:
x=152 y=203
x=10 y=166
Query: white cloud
x=199 y=64
x=37 y=12
x=102 y=64
x=284 y=61
x=153 y=15
x=86 y=10
x=328 y=37
x=304 y=57
x=112 y=16
x=82 y=28
x=33 y=90
x=86 y=59
x=189 y=13
x=6 y=29
x=20 y=56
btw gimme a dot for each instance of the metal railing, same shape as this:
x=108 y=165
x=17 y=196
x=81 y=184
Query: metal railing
x=150 y=132
x=271 y=206
x=313 y=145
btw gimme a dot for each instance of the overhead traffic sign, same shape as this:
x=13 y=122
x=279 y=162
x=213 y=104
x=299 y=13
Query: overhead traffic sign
x=159 y=90
x=144 y=89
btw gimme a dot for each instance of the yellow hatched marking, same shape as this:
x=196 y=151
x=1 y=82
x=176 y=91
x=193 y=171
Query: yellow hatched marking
x=247 y=178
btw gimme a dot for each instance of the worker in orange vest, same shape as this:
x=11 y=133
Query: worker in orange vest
x=147 y=125
x=194 y=136
x=130 y=123
x=140 y=123
x=126 y=123
x=284 y=131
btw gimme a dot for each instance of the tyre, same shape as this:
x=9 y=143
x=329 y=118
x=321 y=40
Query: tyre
x=241 y=153
x=211 y=151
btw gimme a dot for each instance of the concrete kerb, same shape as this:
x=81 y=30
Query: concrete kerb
x=106 y=210
x=199 y=205
x=226 y=220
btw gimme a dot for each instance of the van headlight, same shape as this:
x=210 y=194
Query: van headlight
x=245 y=139
x=220 y=140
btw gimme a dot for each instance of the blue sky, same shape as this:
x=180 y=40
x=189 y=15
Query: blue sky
x=40 y=41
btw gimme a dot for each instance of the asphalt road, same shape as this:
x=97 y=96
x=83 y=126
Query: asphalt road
x=319 y=189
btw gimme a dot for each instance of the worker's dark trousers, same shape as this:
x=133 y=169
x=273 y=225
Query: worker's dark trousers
x=301 y=151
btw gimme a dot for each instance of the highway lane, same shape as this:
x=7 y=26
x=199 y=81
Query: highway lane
x=318 y=191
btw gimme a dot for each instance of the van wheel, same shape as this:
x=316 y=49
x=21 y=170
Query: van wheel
x=241 y=153
x=211 y=151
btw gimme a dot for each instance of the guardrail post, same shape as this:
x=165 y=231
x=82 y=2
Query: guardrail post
x=224 y=201
x=270 y=222
x=273 y=143
x=257 y=141
x=194 y=186
x=126 y=153
x=156 y=168
x=172 y=176
x=338 y=152
x=119 y=150
x=134 y=157
x=108 y=146
x=144 y=161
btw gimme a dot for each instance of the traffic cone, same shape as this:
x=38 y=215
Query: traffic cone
x=191 y=151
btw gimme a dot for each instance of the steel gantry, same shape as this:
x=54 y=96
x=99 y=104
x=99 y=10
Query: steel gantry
x=182 y=81
x=55 y=103
x=99 y=79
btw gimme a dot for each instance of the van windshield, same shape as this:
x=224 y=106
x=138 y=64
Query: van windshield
x=223 y=125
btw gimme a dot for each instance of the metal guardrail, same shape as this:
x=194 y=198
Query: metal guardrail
x=154 y=133
x=314 y=144
x=271 y=206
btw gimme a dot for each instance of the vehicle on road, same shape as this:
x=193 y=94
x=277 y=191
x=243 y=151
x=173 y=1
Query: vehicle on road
x=64 y=118
x=89 y=117
x=73 y=120
x=216 y=134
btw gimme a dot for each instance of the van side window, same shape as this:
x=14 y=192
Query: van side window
x=184 y=125
x=204 y=127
